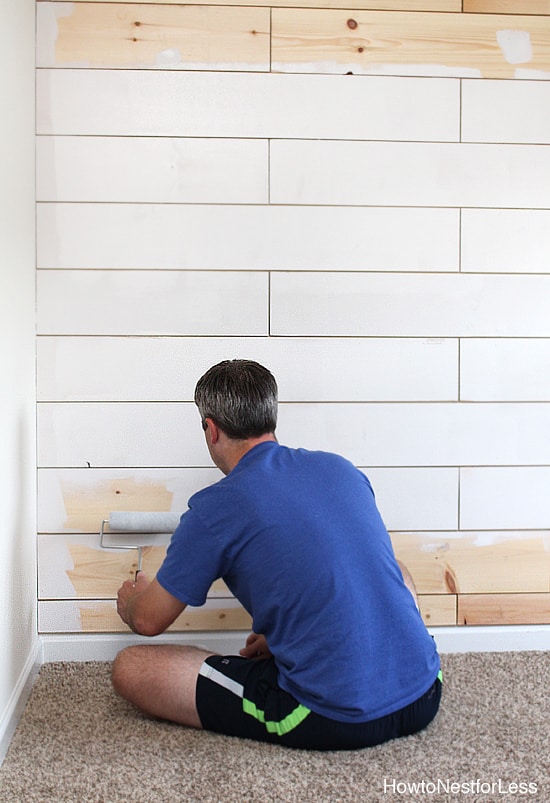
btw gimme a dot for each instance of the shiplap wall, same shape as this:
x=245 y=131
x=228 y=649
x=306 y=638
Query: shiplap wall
x=356 y=196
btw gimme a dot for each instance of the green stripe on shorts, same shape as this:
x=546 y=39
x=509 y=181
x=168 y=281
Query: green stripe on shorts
x=286 y=725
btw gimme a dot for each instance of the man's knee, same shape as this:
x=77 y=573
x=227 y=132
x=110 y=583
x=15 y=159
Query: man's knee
x=122 y=670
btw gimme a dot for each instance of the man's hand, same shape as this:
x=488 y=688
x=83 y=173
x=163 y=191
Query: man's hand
x=146 y=607
x=126 y=594
x=255 y=647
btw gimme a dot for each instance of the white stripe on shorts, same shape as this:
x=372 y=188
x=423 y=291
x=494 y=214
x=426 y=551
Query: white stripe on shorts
x=218 y=677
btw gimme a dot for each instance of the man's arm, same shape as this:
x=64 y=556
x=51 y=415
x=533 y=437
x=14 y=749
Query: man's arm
x=146 y=607
x=409 y=582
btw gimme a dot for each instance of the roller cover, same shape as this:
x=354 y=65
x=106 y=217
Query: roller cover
x=139 y=522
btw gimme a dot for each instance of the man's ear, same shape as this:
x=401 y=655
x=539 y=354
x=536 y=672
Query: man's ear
x=214 y=430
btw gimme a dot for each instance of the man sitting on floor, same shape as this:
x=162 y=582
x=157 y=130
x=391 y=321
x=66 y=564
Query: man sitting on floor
x=339 y=657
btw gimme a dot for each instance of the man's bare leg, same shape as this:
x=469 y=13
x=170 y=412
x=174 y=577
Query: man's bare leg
x=160 y=679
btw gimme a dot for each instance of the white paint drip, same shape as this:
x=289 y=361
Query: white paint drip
x=516 y=46
x=168 y=58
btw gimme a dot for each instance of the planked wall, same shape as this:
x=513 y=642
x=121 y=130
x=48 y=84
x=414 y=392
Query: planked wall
x=355 y=193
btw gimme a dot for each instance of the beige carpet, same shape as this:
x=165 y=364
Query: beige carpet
x=79 y=743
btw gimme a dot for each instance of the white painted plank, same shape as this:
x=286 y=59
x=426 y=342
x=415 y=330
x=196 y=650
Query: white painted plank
x=151 y=302
x=506 y=498
x=76 y=500
x=422 y=434
x=393 y=434
x=150 y=169
x=505 y=240
x=505 y=370
x=507 y=111
x=120 y=435
x=393 y=305
x=416 y=498
x=390 y=5
x=169 y=236
x=409 y=174
x=140 y=102
x=354 y=369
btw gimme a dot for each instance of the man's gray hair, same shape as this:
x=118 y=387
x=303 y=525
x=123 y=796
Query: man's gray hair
x=240 y=396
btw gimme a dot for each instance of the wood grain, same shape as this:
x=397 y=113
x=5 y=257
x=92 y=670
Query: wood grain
x=98 y=616
x=503 y=609
x=438 y=610
x=154 y=36
x=462 y=45
x=507 y=6
x=472 y=563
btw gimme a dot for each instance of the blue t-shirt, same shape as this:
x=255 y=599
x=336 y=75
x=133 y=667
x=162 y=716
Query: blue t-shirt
x=298 y=539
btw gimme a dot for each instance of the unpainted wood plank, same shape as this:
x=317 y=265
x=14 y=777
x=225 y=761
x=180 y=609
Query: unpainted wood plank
x=86 y=506
x=462 y=45
x=96 y=573
x=438 y=610
x=98 y=616
x=470 y=563
x=71 y=500
x=506 y=6
x=153 y=36
x=504 y=609
x=388 y=5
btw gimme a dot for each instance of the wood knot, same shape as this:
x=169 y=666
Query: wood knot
x=351 y=23
x=450 y=581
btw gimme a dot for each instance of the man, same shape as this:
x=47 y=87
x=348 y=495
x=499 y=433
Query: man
x=339 y=657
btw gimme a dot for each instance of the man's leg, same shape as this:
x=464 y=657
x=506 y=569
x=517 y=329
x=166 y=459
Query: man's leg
x=160 y=680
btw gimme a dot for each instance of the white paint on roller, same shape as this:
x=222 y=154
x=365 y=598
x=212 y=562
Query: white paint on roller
x=143 y=522
x=516 y=46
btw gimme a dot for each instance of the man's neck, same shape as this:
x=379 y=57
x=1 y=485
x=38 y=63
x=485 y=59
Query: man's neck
x=235 y=450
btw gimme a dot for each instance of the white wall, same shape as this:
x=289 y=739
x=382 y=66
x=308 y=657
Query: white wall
x=380 y=241
x=18 y=632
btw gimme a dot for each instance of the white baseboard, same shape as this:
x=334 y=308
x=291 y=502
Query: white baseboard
x=100 y=647
x=104 y=647
x=492 y=638
x=19 y=697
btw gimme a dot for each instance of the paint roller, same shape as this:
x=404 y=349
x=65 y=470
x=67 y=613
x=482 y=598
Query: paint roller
x=129 y=521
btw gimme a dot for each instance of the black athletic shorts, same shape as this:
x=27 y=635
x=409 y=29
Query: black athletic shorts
x=241 y=697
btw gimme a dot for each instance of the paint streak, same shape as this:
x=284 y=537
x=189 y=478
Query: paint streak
x=85 y=507
x=99 y=573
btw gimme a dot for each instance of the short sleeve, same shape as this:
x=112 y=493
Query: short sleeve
x=194 y=560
